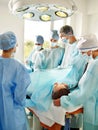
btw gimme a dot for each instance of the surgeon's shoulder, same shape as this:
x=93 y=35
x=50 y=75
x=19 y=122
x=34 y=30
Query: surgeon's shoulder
x=19 y=65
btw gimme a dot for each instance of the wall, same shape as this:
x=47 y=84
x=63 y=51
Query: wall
x=78 y=19
x=85 y=19
x=9 y=22
x=92 y=16
x=92 y=24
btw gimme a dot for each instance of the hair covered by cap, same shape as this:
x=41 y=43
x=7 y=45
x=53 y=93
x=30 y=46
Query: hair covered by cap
x=39 y=39
x=7 y=40
x=88 y=42
x=66 y=30
x=54 y=34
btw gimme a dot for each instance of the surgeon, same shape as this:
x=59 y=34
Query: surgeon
x=36 y=62
x=14 y=80
x=72 y=57
x=86 y=94
x=36 y=58
x=68 y=38
x=55 y=53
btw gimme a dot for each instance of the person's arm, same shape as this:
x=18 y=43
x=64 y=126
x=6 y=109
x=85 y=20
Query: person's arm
x=85 y=90
x=40 y=61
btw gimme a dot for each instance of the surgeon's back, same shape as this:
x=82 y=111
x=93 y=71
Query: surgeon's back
x=13 y=83
x=14 y=79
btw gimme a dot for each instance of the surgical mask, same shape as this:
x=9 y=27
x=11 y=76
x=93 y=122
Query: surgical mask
x=64 y=40
x=86 y=57
x=38 y=47
x=53 y=44
x=91 y=58
x=13 y=55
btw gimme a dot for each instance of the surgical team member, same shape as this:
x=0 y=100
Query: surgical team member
x=36 y=58
x=68 y=38
x=14 y=80
x=87 y=92
x=74 y=58
x=36 y=62
x=55 y=52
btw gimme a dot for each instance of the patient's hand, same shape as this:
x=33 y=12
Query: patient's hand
x=80 y=110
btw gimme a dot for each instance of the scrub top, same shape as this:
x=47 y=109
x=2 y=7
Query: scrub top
x=86 y=95
x=14 y=80
x=54 y=57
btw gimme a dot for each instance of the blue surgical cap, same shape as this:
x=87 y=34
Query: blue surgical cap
x=54 y=34
x=39 y=39
x=7 y=40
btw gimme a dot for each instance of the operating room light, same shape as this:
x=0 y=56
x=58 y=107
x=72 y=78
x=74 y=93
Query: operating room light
x=45 y=17
x=42 y=10
x=28 y=15
x=22 y=9
x=61 y=14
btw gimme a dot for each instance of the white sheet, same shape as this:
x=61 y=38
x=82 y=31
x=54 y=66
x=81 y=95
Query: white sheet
x=53 y=115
